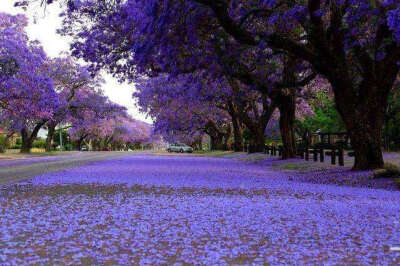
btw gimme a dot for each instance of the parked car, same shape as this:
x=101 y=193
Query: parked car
x=179 y=147
x=84 y=148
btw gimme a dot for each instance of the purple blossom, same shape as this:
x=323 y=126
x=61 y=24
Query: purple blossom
x=152 y=209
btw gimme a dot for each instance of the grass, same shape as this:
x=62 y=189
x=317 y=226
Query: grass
x=15 y=154
x=50 y=153
x=388 y=170
x=214 y=153
x=295 y=166
x=255 y=157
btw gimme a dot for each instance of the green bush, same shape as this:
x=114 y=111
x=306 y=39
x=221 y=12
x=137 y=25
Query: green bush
x=16 y=147
x=39 y=143
x=68 y=147
x=2 y=139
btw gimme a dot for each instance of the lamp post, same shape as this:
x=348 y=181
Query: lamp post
x=61 y=143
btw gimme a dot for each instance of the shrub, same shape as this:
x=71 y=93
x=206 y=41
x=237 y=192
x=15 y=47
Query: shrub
x=16 y=147
x=39 y=143
x=2 y=139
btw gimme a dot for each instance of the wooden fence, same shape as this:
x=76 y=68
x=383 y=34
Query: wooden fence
x=336 y=153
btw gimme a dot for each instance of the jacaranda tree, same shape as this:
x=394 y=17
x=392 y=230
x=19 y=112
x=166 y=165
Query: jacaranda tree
x=27 y=97
x=170 y=45
x=76 y=89
x=354 y=44
x=183 y=110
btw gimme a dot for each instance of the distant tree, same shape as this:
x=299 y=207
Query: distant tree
x=27 y=98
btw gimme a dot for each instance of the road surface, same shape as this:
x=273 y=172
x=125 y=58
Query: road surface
x=144 y=209
x=15 y=170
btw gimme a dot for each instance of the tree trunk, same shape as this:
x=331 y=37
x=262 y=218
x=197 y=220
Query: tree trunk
x=367 y=149
x=366 y=137
x=286 y=99
x=216 y=142
x=51 y=129
x=28 y=138
x=216 y=136
x=258 y=142
x=237 y=135
x=236 y=128
x=364 y=121
x=199 y=144
x=80 y=141
x=79 y=144
x=26 y=142
x=257 y=128
x=287 y=109
x=225 y=138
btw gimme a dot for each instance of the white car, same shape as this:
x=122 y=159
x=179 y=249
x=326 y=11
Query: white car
x=179 y=147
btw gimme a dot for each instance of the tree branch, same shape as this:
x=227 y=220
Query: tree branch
x=302 y=83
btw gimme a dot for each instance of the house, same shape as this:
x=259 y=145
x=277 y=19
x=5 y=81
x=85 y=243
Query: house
x=12 y=140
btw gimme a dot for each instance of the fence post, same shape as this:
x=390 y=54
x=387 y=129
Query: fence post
x=341 y=156
x=307 y=153
x=315 y=155
x=279 y=151
x=301 y=150
x=321 y=155
x=333 y=156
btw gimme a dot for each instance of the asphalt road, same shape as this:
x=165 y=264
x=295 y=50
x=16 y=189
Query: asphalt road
x=15 y=170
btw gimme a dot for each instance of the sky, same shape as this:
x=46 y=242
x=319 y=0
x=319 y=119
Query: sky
x=43 y=25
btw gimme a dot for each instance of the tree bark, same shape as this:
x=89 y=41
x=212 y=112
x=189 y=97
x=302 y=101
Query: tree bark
x=258 y=124
x=216 y=136
x=28 y=138
x=364 y=124
x=237 y=128
x=216 y=142
x=286 y=124
x=286 y=100
x=80 y=141
x=258 y=142
x=237 y=135
x=50 y=133
x=26 y=142
x=226 y=134
x=287 y=109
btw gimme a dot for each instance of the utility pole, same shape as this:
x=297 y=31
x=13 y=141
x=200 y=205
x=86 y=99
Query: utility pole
x=61 y=144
